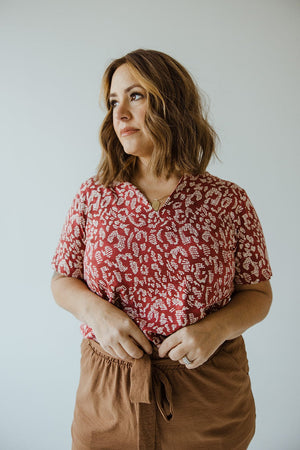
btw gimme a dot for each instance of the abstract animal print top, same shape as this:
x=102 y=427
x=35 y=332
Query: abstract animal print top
x=169 y=268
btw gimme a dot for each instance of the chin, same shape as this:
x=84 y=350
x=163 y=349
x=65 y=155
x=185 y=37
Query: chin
x=136 y=151
x=131 y=151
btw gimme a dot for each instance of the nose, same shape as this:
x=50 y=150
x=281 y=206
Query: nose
x=122 y=111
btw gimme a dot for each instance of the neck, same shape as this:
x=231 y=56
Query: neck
x=156 y=189
x=145 y=175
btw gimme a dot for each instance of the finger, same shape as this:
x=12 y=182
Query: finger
x=140 y=339
x=132 y=349
x=178 y=352
x=110 y=350
x=170 y=342
x=121 y=352
x=194 y=364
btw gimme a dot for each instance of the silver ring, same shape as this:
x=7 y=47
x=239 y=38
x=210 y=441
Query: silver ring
x=186 y=360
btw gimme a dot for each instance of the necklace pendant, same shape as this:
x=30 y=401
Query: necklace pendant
x=155 y=204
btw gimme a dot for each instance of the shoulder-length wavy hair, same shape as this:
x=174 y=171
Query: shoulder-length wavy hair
x=176 y=119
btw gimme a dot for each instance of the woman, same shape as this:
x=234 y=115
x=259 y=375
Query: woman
x=166 y=266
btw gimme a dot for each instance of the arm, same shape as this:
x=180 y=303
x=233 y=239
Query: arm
x=114 y=329
x=74 y=296
x=249 y=305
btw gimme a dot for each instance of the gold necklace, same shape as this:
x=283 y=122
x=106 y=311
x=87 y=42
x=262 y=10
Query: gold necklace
x=156 y=203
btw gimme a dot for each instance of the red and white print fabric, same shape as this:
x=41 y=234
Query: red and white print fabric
x=169 y=268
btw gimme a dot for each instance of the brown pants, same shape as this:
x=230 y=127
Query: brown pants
x=157 y=404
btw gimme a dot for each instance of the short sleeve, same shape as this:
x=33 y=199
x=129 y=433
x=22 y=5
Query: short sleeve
x=252 y=263
x=69 y=254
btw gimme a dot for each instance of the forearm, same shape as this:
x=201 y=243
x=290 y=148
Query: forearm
x=73 y=295
x=246 y=308
x=117 y=333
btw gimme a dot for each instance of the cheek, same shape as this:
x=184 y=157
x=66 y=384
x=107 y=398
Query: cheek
x=143 y=115
x=141 y=112
x=114 y=123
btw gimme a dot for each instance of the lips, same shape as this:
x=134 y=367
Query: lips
x=128 y=131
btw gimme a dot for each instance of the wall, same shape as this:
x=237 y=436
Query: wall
x=245 y=56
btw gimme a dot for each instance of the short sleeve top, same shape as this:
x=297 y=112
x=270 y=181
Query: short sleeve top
x=168 y=268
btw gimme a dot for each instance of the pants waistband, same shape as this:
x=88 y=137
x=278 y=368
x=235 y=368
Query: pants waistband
x=149 y=388
x=146 y=377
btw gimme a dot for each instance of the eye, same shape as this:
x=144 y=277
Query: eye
x=136 y=95
x=112 y=103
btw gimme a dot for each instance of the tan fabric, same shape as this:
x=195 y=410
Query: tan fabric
x=158 y=404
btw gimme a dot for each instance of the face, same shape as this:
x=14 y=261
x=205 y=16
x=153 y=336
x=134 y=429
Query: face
x=129 y=102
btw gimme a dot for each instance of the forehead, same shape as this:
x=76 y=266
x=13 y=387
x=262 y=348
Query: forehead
x=122 y=78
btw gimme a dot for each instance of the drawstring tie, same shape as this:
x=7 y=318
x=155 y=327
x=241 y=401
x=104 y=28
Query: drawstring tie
x=147 y=380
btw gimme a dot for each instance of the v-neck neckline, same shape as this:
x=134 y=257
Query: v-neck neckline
x=145 y=199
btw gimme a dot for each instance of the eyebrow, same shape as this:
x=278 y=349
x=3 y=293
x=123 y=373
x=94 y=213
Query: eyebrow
x=113 y=94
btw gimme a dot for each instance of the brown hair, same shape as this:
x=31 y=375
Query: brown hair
x=184 y=141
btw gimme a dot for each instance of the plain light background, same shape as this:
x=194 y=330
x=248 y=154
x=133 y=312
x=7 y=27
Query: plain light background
x=245 y=57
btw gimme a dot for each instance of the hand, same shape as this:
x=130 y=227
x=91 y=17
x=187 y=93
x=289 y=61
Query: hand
x=117 y=334
x=197 y=342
